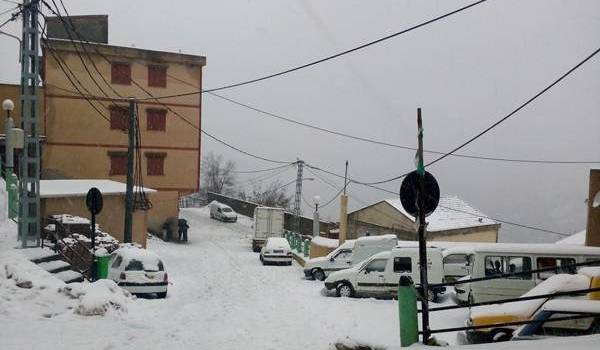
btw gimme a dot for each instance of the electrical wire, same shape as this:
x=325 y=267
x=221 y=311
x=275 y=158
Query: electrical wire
x=339 y=54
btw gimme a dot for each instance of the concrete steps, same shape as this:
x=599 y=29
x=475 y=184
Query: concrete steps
x=52 y=262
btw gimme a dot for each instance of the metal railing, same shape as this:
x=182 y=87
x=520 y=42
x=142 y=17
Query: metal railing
x=74 y=258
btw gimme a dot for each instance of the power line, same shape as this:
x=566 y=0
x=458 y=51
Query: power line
x=382 y=143
x=339 y=54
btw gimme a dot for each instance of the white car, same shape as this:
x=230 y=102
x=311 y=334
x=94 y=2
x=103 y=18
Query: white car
x=222 y=212
x=277 y=251
x=138 y=270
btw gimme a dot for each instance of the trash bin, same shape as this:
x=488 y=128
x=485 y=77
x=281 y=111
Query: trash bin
x=102 y=259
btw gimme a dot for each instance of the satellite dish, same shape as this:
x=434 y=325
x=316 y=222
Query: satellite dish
x=596 y=202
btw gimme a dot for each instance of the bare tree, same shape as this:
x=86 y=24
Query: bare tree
x=217 y=175
x=274 y=195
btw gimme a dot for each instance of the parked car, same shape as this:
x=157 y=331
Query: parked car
x=276 y=250
x=497 y=314
x=548 y=326
x=378 y=275
x=500 y=258
x=222 y=212
x=268 y=222
x=138 y=270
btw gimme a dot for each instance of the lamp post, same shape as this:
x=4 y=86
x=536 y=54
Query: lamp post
x=8 y=106
x=316 y=200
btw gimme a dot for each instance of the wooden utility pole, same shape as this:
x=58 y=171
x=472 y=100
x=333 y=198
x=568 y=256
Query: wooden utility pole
x=422 y=240
x=592 y=235
x=128 y=234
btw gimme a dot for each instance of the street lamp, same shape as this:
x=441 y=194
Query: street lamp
x=316 y=200
x=8 y=106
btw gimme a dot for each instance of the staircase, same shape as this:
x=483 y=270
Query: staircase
x=52 y=262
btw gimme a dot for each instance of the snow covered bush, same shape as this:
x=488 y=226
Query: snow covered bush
x=96 y=299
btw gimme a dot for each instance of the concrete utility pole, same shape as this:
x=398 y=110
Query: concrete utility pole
x=316 y=200
x=128 y=234
x=298 y=197
x=29 y=160
x=344 y=211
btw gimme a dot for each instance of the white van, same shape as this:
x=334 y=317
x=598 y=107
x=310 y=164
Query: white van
x=339 y=259
x=500 y=258
x=222 y=212
x=379 y=274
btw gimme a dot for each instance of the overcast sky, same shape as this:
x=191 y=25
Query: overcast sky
x=465 y=72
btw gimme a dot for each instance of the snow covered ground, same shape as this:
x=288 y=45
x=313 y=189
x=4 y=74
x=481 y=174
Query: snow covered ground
x=221 y=297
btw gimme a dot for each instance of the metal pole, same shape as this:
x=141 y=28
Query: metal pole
x=316 y=221
x=298 y=198
x=344 y=211
x=128 y=236
x=9 y=145
x=93 y=239
x=422 y=240
x=29 y=160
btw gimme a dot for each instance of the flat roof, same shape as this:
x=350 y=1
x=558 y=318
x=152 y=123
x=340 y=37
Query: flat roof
x=80 y=188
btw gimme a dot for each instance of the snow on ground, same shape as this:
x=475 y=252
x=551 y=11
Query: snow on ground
x=221 y=297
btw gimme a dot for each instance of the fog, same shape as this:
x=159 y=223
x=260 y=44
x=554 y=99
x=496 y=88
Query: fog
x=465 y=72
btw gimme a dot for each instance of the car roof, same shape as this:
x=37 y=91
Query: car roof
x=572 y=305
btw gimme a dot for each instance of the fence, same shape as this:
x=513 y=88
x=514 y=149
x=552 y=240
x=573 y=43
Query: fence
x=557 y=269
x=299 y=243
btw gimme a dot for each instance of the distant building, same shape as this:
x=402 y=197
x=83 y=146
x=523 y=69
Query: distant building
x=453 y=220
x=82 y=143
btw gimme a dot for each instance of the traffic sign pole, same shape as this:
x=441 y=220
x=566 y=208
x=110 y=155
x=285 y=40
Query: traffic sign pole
x=422 y=241
x=94 y=203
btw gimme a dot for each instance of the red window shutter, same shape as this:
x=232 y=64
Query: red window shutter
x=118 y=118
x=157 y=76
x=155 y=163
x=118 y=164
x=120 y=73
x=156 y=119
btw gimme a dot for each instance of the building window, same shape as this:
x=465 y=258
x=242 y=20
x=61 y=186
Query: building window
x=120 y=73
x=118 y=118
x=155 y=163
x=156 y=119
x=157 y=76
x=118 y=163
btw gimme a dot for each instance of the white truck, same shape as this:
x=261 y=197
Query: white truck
x=268 y=222
x=348 y=255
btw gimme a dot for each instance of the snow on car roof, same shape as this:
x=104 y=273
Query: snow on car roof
x=451 y=213
x=80 y=188
x=536 y=248
x=525 y=308
x=130 y=252
x=573 y=305
x=277 y=242
x=326 y=242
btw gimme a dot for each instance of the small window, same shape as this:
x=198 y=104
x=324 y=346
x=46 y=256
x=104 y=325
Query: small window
x=459 y=259
x=118 y=163
x=497 y=265
x=377 y=265
x=117 y=262
x=551 y=262
x=157 y=76
x=119 y=118
x=343 y=254
x=402 y=264
x=156 y=164
x=121 y=73
x=156 y=119
x=135 y=265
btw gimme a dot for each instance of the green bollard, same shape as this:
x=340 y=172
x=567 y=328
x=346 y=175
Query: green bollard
x=306 y=248
x=407 y=311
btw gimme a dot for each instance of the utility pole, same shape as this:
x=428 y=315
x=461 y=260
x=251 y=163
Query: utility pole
x=128 y=235
x=298 y=197
x=29 y=160
x=316 y=220
x=344 y=211
x=422 y=241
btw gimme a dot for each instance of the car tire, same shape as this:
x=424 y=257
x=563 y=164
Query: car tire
x=500 y=335
x=344 y=290
x=161 y=295
x=318 y=274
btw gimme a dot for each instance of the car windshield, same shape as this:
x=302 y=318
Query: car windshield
x=226 y=210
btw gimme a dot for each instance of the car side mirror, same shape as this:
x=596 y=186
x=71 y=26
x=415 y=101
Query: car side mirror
x=367 y=271
x=332 y=259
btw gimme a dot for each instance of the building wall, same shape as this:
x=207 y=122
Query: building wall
x=382 y=218
x=79 y=139
x=111 y=219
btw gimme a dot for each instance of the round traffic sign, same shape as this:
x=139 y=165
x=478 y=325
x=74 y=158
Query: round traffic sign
x=93 y=200
x=410 y=188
